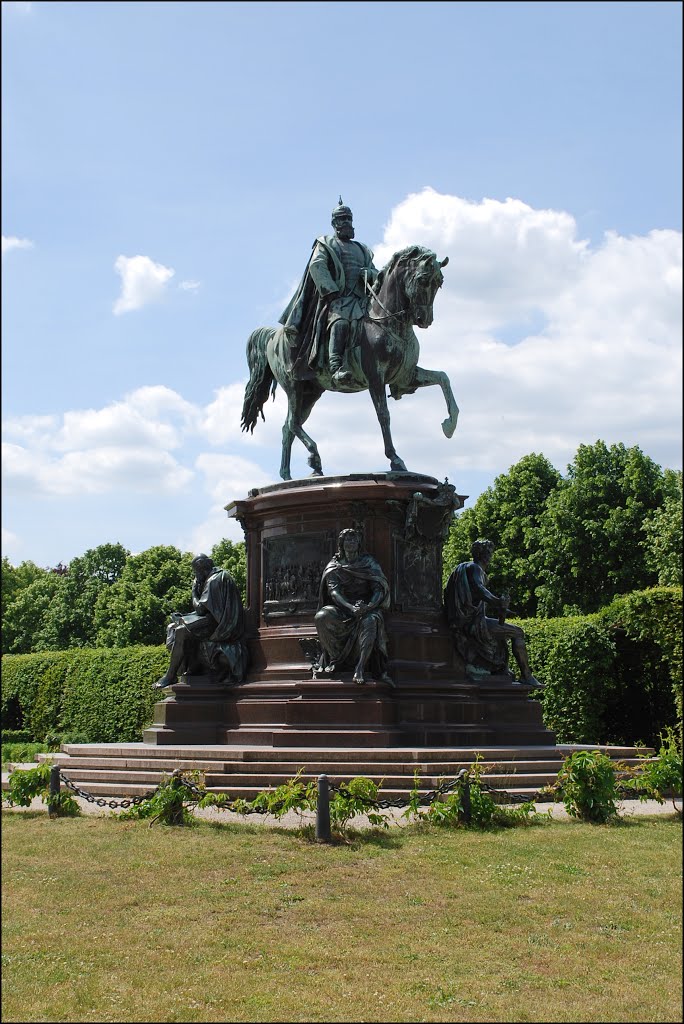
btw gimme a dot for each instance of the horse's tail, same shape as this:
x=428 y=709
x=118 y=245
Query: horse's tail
x=261 y=380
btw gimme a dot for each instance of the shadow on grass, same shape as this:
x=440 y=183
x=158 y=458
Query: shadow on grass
x=307 y=832
x=380 y=838
x=642 y=820
x=25 y=812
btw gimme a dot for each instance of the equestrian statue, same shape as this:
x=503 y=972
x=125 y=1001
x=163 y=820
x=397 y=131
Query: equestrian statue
x=348 y=327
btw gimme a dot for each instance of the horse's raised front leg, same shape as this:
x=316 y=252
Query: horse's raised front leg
x=376 y=386
x=424 y=379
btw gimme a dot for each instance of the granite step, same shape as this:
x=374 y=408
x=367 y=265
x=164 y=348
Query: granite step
x=332 y=754
x=309 y=765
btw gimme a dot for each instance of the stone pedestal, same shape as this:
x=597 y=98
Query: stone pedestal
x=291 y=532
x=193 y=712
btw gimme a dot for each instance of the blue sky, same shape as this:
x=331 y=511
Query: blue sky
x=166 y=167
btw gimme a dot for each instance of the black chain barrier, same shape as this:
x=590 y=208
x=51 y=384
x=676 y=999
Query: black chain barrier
x=342 y=790
x=134 y=800
x=100 y=801
x=427 y=798
x=200 y=793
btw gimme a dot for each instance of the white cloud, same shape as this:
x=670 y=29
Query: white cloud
x=227 y=478
x=604 y=362
x=158 y=401
x=506 y=259
x=11 y=242
x=95 y=471
x=32 y=430
x=221 y=418
x=123 y=446
x=190 y=286
x=142 y=282
x=548 y=342
x=153 y=416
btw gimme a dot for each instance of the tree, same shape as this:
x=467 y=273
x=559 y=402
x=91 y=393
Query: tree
x=663 y=529
x=16 y=578
x=70 y=619
x=230 y=556
x=136 y=608
x=590 y=534
x=508 y=514
x=24 y=617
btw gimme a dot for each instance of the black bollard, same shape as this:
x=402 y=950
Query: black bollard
x=323 y=810
x=53 y=799
x=467 y=810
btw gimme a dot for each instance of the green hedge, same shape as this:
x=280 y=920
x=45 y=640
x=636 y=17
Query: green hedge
x=574 y=657
x=611 y=677
x=614 y=676
x=647 y=627
x=105 y=695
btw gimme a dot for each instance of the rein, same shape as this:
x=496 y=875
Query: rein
x=378 y=319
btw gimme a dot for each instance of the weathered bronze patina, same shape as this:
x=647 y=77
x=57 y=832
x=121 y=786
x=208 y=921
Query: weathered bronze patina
x=349 y=620
x=348 y=328
x=481 y=640
x=208 y=641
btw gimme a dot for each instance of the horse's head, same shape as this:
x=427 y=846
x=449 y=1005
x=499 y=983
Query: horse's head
x=420 y=274
x=423 y=279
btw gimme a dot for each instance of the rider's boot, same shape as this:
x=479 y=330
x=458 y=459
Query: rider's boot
x=336 y=355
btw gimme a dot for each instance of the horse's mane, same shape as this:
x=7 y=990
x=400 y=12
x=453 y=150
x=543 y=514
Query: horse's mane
x=411 y=252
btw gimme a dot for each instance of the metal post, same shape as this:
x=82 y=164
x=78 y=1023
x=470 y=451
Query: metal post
x=323 y=810
x=467 y=810
x=53 y=799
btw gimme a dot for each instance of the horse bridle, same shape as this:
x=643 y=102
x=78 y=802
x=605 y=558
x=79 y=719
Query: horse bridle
x=378 y=319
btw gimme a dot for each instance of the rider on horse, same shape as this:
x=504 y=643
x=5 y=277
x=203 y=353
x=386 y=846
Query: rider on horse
x=323 y=316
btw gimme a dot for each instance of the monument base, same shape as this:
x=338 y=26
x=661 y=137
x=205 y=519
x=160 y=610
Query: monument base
x=192 y=713
x=308 y=712
x=291 y=533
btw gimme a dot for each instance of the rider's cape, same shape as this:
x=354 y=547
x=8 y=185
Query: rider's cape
x=305 y=319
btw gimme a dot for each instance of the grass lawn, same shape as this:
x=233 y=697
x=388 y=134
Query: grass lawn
x=106 y=920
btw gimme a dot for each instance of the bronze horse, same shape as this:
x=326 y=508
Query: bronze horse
x=384 y=353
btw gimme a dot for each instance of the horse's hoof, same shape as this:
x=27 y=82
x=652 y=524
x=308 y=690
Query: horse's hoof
x=448 y=427
x=398 y=466
x=317 y=472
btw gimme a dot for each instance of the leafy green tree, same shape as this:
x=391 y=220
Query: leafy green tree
x=230 y=556
x=663 y=529
x=24 y=617
x=70 y=619
x=590 y=538
x=16 y=578
x=508 y=514
x=136 y=608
